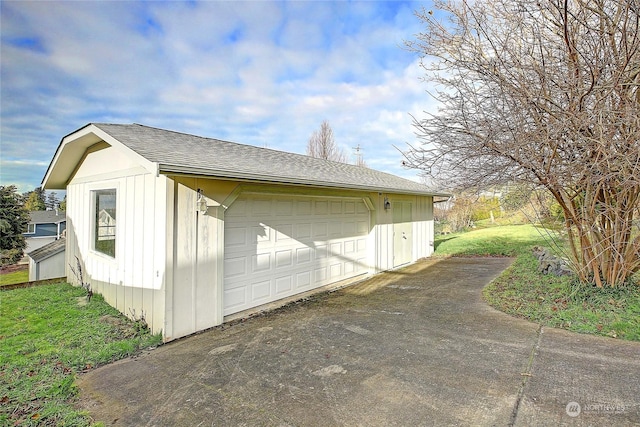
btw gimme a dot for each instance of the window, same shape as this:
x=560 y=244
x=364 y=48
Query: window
x=31 y=228
x=105 y=222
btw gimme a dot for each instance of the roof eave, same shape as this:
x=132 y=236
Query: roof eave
x=168 y=169
x=71 y=150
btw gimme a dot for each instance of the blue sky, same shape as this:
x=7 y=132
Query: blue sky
x=259 y=73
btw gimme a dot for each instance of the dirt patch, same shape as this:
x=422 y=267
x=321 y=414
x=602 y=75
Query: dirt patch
x=124 y=327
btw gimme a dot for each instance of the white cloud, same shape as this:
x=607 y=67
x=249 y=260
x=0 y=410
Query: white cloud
x=261 y=73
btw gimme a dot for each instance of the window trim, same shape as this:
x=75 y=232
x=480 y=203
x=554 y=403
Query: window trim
x=29 y=226
x=95 y=192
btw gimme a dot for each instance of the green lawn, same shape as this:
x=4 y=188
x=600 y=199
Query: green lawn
x=552 y=301
x=508 y=240
x=49 y=334
x=14 y=277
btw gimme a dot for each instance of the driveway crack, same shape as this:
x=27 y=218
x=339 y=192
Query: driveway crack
x=526 y=375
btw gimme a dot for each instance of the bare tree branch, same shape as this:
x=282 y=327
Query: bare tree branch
x=321 y=145
x=544 y=92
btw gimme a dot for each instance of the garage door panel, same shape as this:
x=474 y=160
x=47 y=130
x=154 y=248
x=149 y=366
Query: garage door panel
x=236 y=237
x=284 y=285
x=335 y=270
x=303 y=232
x=261 y=262
x=283 y=245
x=349 y=228
x=284 y=232
x=303 y=255
x=349 y=267
x=320 y=275
x=321 y=207
x=335 y=230
x=235 y=266
x=235 y=299
x=260 y=233
x=239 y=210
x=261 y=208
x=320 y=231
x=284 y=208
x=320 y=252
x=336 y=249
x=303 y=207
x=303 y=280
x=349 y=207
x=261 y=290
x=284 y=258
x=349 y=246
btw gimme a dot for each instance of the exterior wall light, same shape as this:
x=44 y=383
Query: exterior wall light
x=201 y=203
x=387 y=204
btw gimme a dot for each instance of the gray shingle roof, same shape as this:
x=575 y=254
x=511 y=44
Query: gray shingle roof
x=176 y=152
x=48 y=250
x=47 y=217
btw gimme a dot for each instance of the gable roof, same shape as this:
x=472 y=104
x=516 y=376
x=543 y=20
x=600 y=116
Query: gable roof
x=47 y=217
x=180 y=153
x=48 y=250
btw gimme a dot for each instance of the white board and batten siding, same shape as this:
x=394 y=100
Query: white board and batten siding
x=423 y=231
x=132 y=281
x=279 y=246
x=404 y=232
x=194 y=284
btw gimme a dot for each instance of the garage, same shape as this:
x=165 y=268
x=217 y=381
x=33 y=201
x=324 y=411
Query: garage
x=205 y=229
x=278 y=246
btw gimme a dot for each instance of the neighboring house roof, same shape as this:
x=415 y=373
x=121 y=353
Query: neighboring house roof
x=180 y=153
x=106 y=217
x=48 y=250
x=47 y=217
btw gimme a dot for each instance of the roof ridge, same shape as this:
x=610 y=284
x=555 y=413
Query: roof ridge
x=275 y=150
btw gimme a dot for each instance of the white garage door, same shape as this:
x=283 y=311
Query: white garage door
x=278 y=246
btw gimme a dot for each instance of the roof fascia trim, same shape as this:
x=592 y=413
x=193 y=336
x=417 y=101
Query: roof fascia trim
x=240 y=176
x=77 y=153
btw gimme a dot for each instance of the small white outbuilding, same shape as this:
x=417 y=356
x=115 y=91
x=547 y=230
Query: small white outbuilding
x=186 y=231
x=48 y=261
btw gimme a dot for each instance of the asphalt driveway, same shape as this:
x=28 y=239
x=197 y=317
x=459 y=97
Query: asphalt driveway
x=412 y=347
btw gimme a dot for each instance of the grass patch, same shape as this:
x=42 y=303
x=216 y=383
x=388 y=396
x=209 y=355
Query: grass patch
x=49 y=334
x=553 y=301
x=562 y=302
x=509 y=240
x=19 y=276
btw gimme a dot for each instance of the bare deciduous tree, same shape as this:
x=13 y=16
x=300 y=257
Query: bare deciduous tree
x=544 y=92
x=321 y=145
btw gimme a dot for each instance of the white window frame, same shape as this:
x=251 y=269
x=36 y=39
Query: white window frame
x=94 y=222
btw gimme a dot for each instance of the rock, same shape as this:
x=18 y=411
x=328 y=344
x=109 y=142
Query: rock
x=551 y=264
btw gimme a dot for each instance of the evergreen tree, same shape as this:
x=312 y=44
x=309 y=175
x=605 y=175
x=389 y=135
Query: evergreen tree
x=52 y=201
x=14 y=219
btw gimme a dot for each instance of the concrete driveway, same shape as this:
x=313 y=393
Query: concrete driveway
x=412 y=347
